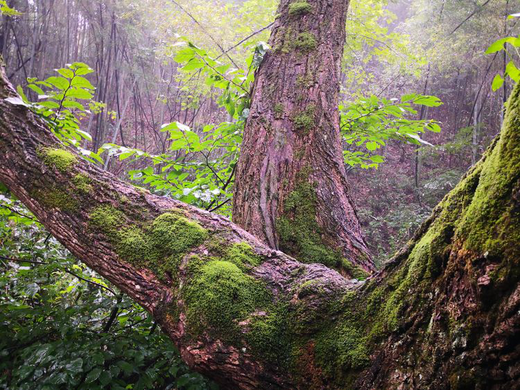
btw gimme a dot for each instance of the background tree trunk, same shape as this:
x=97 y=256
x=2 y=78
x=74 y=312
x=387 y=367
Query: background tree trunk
x=290 y=187
x=444 y=314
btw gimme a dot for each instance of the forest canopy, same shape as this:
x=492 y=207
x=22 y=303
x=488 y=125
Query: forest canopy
x=259 y=194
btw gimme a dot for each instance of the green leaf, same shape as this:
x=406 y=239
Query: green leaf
x=377 y=158
x=81 y=82
x=496 y=46
x=73 y=104
x=75 y=366
x=59 y=82
x=126 y=367
x=79 y=94
x=372 y=146
x=434 y=127
x=105 y=378
x=66 y=73
x=512 y=71
x=36 y=89
x=49 y=104
x=93 y=375
x=428 y=101
x=497 y=83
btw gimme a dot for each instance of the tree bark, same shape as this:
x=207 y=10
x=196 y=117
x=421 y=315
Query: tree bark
x=290 y=187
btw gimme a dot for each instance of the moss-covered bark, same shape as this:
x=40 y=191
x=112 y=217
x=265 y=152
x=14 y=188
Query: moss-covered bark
x=291 y=190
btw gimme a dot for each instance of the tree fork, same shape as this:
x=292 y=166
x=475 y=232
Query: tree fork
x=443 y=314
x=290 y=187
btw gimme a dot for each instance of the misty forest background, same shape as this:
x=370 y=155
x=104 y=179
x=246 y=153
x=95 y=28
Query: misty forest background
x=163 y=106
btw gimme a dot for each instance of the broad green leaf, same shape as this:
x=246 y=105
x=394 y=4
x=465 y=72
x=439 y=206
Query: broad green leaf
x=93 y=375
x=496 y=46
x=79 y=94
x=81 y=82
x=59 y=82
x=372 y=146
x=498 y=81
x=66 y=73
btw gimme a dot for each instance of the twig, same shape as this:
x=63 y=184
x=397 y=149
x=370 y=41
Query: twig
x=205 y=32
x=246 y=39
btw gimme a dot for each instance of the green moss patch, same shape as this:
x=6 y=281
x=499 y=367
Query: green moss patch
x=60 y=159
x=299 y=8
x=82 y=183
x=159 y=245
x=219 y=296
x=58 y=199
x=305 y=42
x=298 y=231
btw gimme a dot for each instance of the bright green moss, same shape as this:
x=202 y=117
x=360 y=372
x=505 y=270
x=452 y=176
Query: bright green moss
x=305 y=81
x=173 y=234
x=60 y=159
x=133 y=246
x=159 y=245
x=353 y=270
x=478 y=222
x=241 y=254
x=299 y=8
x=219 y=296
x=305 y=42
x=303 y=121
x=300 y=235
x=107 y=219
x=82 y=183
x=490 y=223
x=269 y=336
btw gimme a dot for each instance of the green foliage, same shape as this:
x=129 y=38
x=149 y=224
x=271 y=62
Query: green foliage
x=199 y=167
x=60 y=104
x=6 y=10
x=511 y=69
x=368 y=123
x=55 y=321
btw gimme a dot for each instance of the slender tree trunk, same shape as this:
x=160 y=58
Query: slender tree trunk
x=443 y=314
x=290 y=188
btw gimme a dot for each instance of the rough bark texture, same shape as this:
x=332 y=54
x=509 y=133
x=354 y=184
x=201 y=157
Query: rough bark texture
x=290 y=188
x=443 y=314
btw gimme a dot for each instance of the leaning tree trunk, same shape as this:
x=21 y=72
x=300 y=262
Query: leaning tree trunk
x=443 y=314
x=290 y=187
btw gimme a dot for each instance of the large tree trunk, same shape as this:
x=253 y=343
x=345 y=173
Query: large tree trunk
x=290 y=187
x=444 y=314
